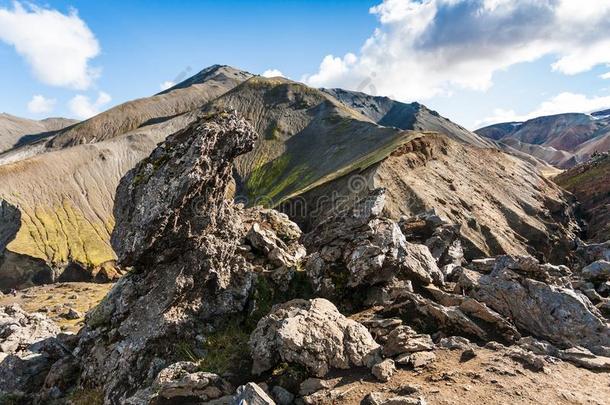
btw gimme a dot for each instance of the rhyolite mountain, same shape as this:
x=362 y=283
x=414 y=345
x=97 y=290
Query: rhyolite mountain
x=15 y=131
x=313 y=145
x=562 y=140
x=590 y=183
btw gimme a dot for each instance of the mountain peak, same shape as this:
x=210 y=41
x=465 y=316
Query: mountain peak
x=206 y=74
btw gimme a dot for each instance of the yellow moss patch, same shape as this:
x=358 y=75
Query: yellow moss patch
x=63 y=234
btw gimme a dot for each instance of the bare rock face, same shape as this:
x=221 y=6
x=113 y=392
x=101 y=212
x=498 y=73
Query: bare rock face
x=549 y=309
x=597 y=271
x=183 y=241
x=367 y=248
x=313 y=334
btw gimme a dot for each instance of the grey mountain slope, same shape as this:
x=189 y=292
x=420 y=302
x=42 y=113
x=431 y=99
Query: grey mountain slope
x=186 y=96
x=16 y=131
x=414 y=116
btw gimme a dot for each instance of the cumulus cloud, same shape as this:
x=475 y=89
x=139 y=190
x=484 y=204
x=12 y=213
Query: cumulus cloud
x=605 y=76
x=272 y=73
x=82 y=107
x=57 y=46
x=559 y=104
x=166 y=85
x=41 y=105
x=426 y=48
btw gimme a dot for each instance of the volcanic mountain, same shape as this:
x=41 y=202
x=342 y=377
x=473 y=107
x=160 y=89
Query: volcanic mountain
x=314 y=145
x=562 y=140
x=15 y=131
x=590 y=183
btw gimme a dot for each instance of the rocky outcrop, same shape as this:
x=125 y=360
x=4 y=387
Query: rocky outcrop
x=29 y=347
x=359 y=247
x=182 y=381
x=312 y=334
x=182 y=238
x=549 y=309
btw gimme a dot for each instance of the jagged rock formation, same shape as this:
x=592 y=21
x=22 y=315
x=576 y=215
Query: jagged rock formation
x=590 y=184
x=371 y=249
x=540 y=300
x=181 y=236
x=65 y=197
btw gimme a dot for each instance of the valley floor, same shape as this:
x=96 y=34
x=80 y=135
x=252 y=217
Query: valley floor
x=56 y=301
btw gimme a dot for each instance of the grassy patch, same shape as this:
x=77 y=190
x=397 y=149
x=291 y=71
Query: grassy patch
x=226 y=350
x=84 y=396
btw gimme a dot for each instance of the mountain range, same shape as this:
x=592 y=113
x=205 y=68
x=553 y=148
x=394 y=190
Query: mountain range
x=562 y=140
x=239 y=239
x=57 y=188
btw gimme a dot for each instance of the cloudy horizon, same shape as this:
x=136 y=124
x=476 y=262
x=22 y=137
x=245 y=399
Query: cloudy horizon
x=477 y=62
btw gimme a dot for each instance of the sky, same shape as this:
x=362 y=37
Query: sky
x=474 y=61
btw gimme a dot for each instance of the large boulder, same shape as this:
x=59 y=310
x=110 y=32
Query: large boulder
x=312 y=334
x=184 y=241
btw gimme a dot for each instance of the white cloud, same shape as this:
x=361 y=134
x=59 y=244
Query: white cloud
x=272 y=73
x=41 y=105
x=426 y=48
x=82 y=107
x=562 y=103
x=58 y=47
x=167 y=85
x=605 y=76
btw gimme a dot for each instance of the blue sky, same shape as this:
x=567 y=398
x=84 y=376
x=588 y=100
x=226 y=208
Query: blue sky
x=442 y=53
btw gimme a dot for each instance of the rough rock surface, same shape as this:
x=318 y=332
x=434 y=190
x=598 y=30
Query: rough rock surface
x=597 y=271
x=179 y=382
x=313 y=334
x=552 y=310
x=28 y=349
x=384 y=370
x=252 y=394
x=19 y=329
x=367 y=247
x=182 y=238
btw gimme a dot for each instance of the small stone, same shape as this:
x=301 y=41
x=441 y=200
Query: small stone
x=374 y=398
x=252 y=394
x=311 y=385
x=71 y=314
x=384 y=370
x=467 y=355
x=421 y=359
x=454 y=343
